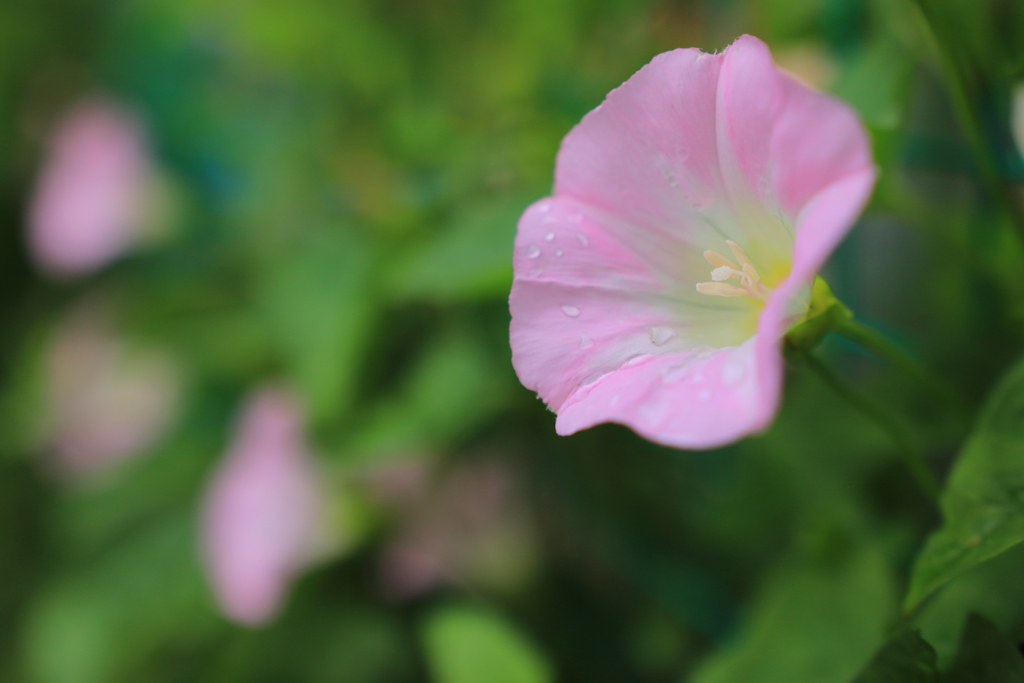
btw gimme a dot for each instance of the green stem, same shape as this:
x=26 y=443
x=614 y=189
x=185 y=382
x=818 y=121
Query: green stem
x=910 y=453
x=894 y=355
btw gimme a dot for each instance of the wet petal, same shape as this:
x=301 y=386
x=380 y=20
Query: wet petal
x=564 y=337
x=686 y=400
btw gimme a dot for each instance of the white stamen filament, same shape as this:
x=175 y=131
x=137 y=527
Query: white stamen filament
x=749 y=281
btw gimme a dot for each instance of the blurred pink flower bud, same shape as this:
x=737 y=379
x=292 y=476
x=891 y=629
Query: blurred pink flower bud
x=471 y=527
x=87 y=207
x=106 y=400
x=263 y=514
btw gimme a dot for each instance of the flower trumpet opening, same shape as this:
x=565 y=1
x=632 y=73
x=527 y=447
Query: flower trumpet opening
x=691 y=212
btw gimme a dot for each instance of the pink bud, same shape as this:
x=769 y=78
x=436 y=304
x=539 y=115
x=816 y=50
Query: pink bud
x=262 y=514
x=87 y=206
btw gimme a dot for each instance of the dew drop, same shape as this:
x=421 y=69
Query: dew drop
x=536 y=272
x=533 y=251
x=549 y=237
x=577 y=218
x=582 y=239
x=660 y=334
x=672 y=181
x=558 y=252
x=544 y=208
x=615 y=399
x=673 y=374
x=570 y=310
x=585 y=341
x=732 y=373
x=704 y=395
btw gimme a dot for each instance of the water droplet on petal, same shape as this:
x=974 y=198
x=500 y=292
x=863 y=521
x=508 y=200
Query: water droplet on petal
x=558 y=252
x=571 y=311
x=673 y=374
x=536 y=272
x=660 y=334
x=585 y=341
x=544 y=208
x=732 y=372
x=615 y=399
x=672 y=181
x=582 y=239
x=533 y=251
x=549 y=237
x=577 y=218
x=704 y=395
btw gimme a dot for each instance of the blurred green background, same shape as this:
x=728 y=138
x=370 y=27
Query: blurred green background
x=334 y=196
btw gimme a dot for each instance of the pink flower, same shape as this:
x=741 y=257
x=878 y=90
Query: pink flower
x=107 y=399
x=691 y=212
x=87 y=207
x=263 y=512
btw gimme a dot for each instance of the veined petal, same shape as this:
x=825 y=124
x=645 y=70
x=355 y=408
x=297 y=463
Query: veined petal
x=564 y=337
x=562 y=240
x=817 y=142
x=826 y=218
x=649 y=155
x=779 y=141
x=686 y=400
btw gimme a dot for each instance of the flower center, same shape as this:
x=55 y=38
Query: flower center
x=749 y=282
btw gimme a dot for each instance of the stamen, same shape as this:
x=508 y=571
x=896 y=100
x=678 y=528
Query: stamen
x=751 y=274
x=721 y=289
x=716 y=259
x=723 y=273
x=739 y=253
x=749 y=281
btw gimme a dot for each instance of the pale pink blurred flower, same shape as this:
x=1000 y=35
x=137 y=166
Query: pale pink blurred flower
x=691 y=211
x=263 y=513
x=470 y=527
x=107 y=400
x=88 y=204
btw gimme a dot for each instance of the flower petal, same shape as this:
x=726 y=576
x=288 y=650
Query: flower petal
x=685 y=400
x=779 y=139
x=818 y=141
x=564 y=337
x=826 y=218
x=649 y=155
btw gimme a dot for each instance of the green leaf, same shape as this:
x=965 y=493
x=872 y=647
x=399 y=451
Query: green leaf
x=983 y=504
x=907 y=658
x=985 y=656
x=817 y=620
x=992 y=589
x=467 y=644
